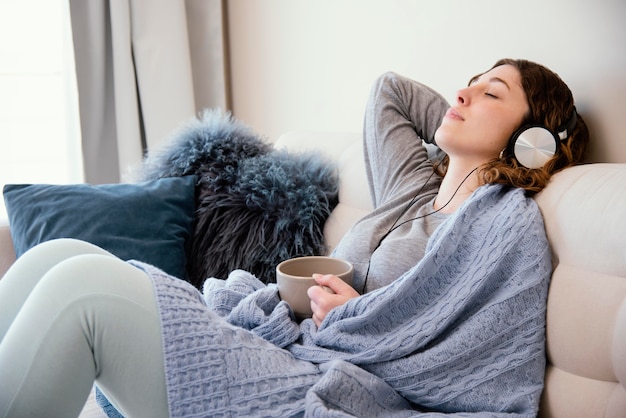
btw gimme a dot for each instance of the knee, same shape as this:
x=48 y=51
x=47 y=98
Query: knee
x=79 y=269
x=91 y=274
x=31 y=266
x=65 y=247
x=62 y=248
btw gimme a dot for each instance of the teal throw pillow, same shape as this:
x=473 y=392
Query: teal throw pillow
x=149 y=222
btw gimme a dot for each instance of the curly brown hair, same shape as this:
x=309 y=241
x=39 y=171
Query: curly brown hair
x=551 y=104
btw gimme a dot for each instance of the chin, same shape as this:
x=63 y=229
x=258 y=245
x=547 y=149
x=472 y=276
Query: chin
x=442 y=139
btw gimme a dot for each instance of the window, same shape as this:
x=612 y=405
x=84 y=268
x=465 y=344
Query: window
x=39 y=120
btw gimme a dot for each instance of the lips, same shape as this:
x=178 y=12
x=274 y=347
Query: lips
x=454 y=114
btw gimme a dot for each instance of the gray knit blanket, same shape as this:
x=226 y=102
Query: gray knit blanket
x=461 y=333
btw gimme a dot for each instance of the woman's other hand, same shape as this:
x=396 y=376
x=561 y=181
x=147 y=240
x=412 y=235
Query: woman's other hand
x=331 y=292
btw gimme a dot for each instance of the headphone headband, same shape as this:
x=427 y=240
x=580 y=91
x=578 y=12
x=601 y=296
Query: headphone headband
x=565 y=130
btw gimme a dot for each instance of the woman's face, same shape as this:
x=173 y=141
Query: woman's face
x=486 y=114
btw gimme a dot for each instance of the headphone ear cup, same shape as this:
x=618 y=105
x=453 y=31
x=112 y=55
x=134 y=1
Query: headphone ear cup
x=532 y=146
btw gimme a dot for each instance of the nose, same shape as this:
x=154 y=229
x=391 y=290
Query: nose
x=463 y=96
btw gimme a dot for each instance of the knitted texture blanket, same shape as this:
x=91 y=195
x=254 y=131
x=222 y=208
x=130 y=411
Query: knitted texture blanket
x=460 y=333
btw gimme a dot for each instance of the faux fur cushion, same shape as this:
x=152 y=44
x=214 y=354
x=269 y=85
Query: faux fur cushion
x=256 y=206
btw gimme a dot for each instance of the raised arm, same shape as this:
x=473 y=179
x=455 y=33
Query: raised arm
x=400 y=114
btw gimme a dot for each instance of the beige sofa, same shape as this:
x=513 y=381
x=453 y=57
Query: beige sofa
x=585 y=212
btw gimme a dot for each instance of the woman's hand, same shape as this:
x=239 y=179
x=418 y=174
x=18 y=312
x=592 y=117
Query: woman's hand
x=331 y=292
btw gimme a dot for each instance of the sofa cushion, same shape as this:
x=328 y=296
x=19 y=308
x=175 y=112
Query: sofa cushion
x=148 y=221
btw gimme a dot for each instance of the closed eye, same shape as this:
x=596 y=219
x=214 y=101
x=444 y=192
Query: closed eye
x=491 y=95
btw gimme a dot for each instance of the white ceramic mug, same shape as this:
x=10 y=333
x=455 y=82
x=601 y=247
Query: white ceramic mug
x=295 y=276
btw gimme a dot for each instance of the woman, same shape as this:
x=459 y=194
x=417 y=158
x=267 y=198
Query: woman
x=454 y=279
x=474 y=132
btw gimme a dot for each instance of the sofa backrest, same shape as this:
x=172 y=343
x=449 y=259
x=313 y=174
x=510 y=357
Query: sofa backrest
x=584 y=209
x=7 y=252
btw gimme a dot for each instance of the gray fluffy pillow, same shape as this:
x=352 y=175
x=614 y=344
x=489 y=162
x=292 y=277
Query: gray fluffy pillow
x=255 y=206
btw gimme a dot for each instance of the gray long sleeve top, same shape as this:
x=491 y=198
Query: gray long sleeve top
x=401 y=113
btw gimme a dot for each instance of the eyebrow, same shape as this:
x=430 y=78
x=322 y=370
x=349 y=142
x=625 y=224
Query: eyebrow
x=499 y=80
x=491 y=80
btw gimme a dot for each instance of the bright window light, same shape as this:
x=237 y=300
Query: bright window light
x=39 y=120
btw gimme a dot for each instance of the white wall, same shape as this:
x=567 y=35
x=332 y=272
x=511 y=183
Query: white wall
x=309 y=64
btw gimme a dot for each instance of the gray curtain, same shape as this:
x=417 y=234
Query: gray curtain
x=143 y=68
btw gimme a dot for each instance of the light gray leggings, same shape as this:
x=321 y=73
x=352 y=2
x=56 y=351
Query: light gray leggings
x=72 y=314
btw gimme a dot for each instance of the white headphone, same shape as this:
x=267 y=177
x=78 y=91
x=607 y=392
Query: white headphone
x=533 y=145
